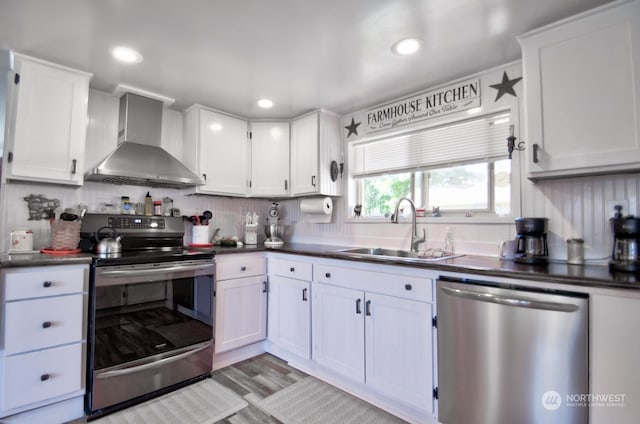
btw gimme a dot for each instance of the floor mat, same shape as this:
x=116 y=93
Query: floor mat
x=204 y=402
x=311 y=401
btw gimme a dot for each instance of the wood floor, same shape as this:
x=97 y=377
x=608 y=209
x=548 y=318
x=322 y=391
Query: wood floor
x=255 y=379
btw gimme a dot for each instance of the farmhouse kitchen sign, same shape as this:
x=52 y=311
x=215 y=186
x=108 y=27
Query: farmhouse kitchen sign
x=431 y=104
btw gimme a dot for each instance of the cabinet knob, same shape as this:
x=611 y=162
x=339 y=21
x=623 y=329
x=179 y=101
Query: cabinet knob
x=328 y=275
x=44 y=377
x=243 y=268
x=46 y=324
x=47 y=284
x=407 y=287
x=292 y=269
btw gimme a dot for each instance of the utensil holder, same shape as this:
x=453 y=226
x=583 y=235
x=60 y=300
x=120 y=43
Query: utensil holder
x=200 y=234
x=65 y=235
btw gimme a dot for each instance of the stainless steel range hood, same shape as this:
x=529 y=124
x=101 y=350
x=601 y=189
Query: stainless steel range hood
x=139 y=159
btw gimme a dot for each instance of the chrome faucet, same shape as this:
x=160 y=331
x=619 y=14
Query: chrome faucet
x=415 y=239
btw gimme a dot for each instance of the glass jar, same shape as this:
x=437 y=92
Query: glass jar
x=125 y=205
x=167 y=205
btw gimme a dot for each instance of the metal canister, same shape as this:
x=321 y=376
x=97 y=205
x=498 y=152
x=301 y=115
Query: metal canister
x=575 y=251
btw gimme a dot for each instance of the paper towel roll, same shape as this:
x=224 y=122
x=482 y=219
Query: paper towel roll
x=317 y=210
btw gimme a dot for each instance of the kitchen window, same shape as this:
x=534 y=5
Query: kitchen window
x=460 y=168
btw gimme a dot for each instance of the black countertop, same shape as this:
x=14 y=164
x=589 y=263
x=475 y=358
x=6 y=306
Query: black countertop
x=555 y=272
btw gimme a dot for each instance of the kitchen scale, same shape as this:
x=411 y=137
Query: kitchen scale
x=273 y=231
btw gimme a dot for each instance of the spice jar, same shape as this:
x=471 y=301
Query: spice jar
x=575 y=251
x=157 y=207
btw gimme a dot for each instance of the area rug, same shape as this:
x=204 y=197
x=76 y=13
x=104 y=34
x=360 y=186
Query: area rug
x=204 y=402
x=310 y=401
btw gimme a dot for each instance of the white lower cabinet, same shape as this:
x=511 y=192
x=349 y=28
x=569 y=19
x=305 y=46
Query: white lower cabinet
x=614 y=349
x=240 y=301
x=290 y=315
x=42 y=359
x=290 y=307
x=375 y=328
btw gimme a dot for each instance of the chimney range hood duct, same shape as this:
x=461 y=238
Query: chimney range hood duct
x=139 y=159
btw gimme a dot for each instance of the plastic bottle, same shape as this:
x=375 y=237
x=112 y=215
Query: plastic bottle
x=157 y=207
x=448 y=241
x=148 y=205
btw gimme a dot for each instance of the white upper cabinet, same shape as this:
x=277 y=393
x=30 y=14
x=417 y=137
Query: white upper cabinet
x=47 y=123
x=269 y=159
x=216 y=147
x=582 y=88
x=315 y=147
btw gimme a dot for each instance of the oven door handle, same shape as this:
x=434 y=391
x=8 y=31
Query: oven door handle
x=130 y=370
x=154 y=270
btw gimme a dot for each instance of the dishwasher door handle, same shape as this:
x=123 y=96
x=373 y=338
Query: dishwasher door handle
x=515 y=301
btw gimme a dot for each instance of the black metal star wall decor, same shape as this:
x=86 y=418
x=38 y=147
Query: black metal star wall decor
x=505 y=86
x=352 y=128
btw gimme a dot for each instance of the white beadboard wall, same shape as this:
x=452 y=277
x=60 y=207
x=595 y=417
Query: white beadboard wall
x=576 y=207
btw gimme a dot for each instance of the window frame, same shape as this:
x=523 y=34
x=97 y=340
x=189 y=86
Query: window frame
x=448 y=216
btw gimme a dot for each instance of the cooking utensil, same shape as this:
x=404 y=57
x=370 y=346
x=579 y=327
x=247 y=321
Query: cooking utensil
x=109 y=244
x=206 y=216
x=195 y=219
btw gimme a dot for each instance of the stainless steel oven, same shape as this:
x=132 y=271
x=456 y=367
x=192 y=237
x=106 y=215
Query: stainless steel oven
x=151 y=320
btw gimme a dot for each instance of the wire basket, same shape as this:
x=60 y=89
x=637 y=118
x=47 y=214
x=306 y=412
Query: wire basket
x=65 y=235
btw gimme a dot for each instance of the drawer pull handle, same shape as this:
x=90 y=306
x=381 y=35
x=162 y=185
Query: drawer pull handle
x=244 y=268
x=407 y=287
x=265 y=287
x=292 y=269
x=304 y=295
x=44 y=377
x=328 y=275
x=46 y=324
x=367 y=308
x=47 y=284
x=358 y=310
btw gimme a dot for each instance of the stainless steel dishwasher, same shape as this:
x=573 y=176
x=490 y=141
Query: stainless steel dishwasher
x=510 y=355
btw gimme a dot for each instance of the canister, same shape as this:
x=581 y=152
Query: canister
x=575 y=251
x=21 y=240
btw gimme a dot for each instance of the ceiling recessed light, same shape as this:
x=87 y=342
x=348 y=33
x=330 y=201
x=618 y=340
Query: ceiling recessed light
x=406 y=46
x=126 y=54
x=265 y=103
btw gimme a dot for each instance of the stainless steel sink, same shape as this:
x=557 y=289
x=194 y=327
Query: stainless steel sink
x=430 y=255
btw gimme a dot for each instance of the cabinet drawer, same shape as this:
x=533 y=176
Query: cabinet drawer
x=40 y=323
x=393 y=284
x=43 y=281
x=292 y=269
x=41 y=375
x=240 y=265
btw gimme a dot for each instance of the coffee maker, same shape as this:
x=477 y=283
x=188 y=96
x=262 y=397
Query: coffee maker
x=626 y=242
x=531 y=241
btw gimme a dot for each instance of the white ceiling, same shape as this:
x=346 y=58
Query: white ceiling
x=302 y=54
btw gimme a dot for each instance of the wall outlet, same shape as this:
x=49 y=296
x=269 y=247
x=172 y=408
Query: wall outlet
x=612 y=203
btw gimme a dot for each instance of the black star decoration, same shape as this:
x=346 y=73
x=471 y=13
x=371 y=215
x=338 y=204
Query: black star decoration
x=353 y=127
x=505 y=86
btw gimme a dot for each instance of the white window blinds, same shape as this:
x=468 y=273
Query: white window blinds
x=480 y=138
